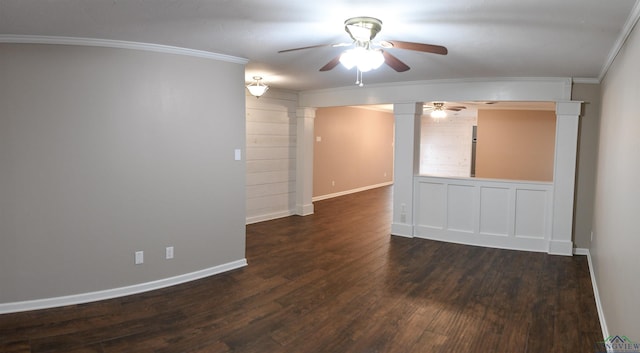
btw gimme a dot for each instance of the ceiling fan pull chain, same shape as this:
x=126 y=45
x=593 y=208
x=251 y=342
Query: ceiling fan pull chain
x=359 y=77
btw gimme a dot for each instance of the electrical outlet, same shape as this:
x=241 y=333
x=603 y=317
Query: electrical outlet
x=139 y=257
x=168 y=252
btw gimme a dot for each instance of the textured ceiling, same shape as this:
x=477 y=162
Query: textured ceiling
x=485 y=38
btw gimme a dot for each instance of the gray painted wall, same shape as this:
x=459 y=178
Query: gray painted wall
x=587 y=158
x=616 y=237
x=107 y=151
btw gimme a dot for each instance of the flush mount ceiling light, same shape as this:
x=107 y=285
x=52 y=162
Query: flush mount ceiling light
x=257 y=88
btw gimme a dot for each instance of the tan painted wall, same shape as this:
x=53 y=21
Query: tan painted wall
x=515 y=144
x=355 y=150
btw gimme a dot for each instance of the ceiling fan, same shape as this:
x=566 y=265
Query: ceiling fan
x=438 y=109
x=367 y=54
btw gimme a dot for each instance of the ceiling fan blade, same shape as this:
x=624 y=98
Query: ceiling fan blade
x=427 y=48
x=331 y=64
x=394 y=62
x=302 y=48
x=456 y=108
x=316 y=46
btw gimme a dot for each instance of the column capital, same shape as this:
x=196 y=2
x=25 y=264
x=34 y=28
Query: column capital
x=304 y=112
x=568 y=108
x=400 y=109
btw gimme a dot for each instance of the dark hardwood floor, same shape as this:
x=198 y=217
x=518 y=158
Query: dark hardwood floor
x=338 y=282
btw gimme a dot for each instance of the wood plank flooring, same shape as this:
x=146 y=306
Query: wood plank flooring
x=338 y=282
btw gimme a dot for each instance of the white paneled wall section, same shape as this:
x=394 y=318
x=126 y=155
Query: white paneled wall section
x=271 y=151
x=494 y=213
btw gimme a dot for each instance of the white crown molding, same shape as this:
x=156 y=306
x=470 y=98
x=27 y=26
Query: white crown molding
x=587 y=80
x=46 y=303
x=108 y=43
x=624 y=34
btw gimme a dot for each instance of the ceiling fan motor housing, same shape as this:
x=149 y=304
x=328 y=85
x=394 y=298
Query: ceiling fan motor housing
x=362 y=29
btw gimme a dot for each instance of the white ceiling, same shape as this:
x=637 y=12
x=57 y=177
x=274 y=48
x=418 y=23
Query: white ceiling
x=485 y=38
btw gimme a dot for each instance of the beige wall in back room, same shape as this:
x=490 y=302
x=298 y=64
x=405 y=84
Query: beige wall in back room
x=104 y=152
x=516 y=144
x=353 y=149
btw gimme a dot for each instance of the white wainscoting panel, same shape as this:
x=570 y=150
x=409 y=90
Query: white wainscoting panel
x=494 y=210
x=531 y=216
x=460 y=208
x=433 y=212
x=494 y=213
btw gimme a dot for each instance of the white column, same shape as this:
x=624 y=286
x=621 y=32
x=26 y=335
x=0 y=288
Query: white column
x=304 y=160
x=406 y=165
x=564 y=175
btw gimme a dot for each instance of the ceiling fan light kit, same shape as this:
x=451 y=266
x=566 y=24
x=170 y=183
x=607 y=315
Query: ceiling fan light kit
x=364 y=56
x=257 y=88
x=438 y=109
x=438 y=114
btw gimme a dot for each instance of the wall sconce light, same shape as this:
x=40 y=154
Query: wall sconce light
x=257 y=87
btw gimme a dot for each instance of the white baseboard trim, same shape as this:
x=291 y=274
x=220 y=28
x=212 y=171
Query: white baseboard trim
x=269 y=216
x=304 y=210
x=560 y=247
x=581 y=251
x=352 y=191
x=402 y=230
x=596 y=294
x=118 y=292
